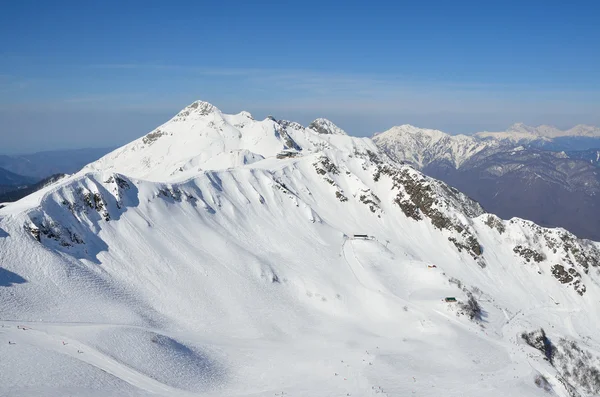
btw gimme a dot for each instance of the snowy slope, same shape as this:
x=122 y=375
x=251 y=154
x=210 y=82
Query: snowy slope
x=201 y=260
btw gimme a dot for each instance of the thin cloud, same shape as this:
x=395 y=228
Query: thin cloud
x=324 y=81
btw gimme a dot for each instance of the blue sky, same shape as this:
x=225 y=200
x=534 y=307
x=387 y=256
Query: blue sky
x=82 y=74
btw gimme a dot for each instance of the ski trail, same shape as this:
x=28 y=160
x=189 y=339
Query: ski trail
x=357 y=269
x=89 y=355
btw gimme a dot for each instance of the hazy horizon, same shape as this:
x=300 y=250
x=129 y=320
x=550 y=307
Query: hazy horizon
x=142 y=122
x=66 y=81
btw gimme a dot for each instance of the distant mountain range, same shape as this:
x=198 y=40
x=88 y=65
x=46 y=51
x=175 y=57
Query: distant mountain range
x=13 y=194
x=11 y=181
x=520 y=131
x=21 y=175
x=508 y=173
x=43 y=164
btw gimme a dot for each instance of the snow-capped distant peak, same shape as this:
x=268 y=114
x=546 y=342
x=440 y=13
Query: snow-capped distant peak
x=584 y=130
x=521 y=128
x=521 y=131
x=541 y=130
x=324 y=126
x=408 y=129
x=197 y=108
x=421 y=146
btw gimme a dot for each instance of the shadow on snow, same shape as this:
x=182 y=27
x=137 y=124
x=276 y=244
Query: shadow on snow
x=8 y=278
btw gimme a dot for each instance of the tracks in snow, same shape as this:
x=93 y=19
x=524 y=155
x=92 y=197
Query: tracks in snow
x=34 y=334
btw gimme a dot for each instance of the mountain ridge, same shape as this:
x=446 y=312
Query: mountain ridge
x=277 y=241
x=521 y=131
x=502 y=174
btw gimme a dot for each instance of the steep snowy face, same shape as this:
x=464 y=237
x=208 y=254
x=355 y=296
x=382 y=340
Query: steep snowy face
x=132 y=279
x=420 y=146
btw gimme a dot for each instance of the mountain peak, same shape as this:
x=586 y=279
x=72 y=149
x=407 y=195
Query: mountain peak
x=421 y=146
x=415 y=129
x=324 y=126
x=198 y=108
x=540 y=130
x=519 y=127
x=584 y=130
x=408 y=129
x=544 y=131
x=201 y=137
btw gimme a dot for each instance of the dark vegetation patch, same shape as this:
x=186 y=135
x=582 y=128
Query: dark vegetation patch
x=538 y=340
x=578 y=369
x=471 y=308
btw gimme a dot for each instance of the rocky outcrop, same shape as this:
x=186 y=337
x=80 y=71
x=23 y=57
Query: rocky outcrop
x=419 y=198
x=569 y=276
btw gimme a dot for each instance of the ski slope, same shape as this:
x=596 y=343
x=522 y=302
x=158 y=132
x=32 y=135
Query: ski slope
x=201 y=261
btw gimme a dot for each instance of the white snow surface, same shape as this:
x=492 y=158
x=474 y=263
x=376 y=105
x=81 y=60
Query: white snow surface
x=522 y=132
x=201 y=138
x=194 y=261
x=420 y=146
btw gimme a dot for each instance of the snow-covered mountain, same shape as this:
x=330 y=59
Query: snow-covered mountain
x=222 y=255
x=508 y=178
x=522 y=132
x=422 y=146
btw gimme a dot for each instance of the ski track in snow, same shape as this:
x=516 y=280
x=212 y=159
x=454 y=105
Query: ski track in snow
x=30 y=334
